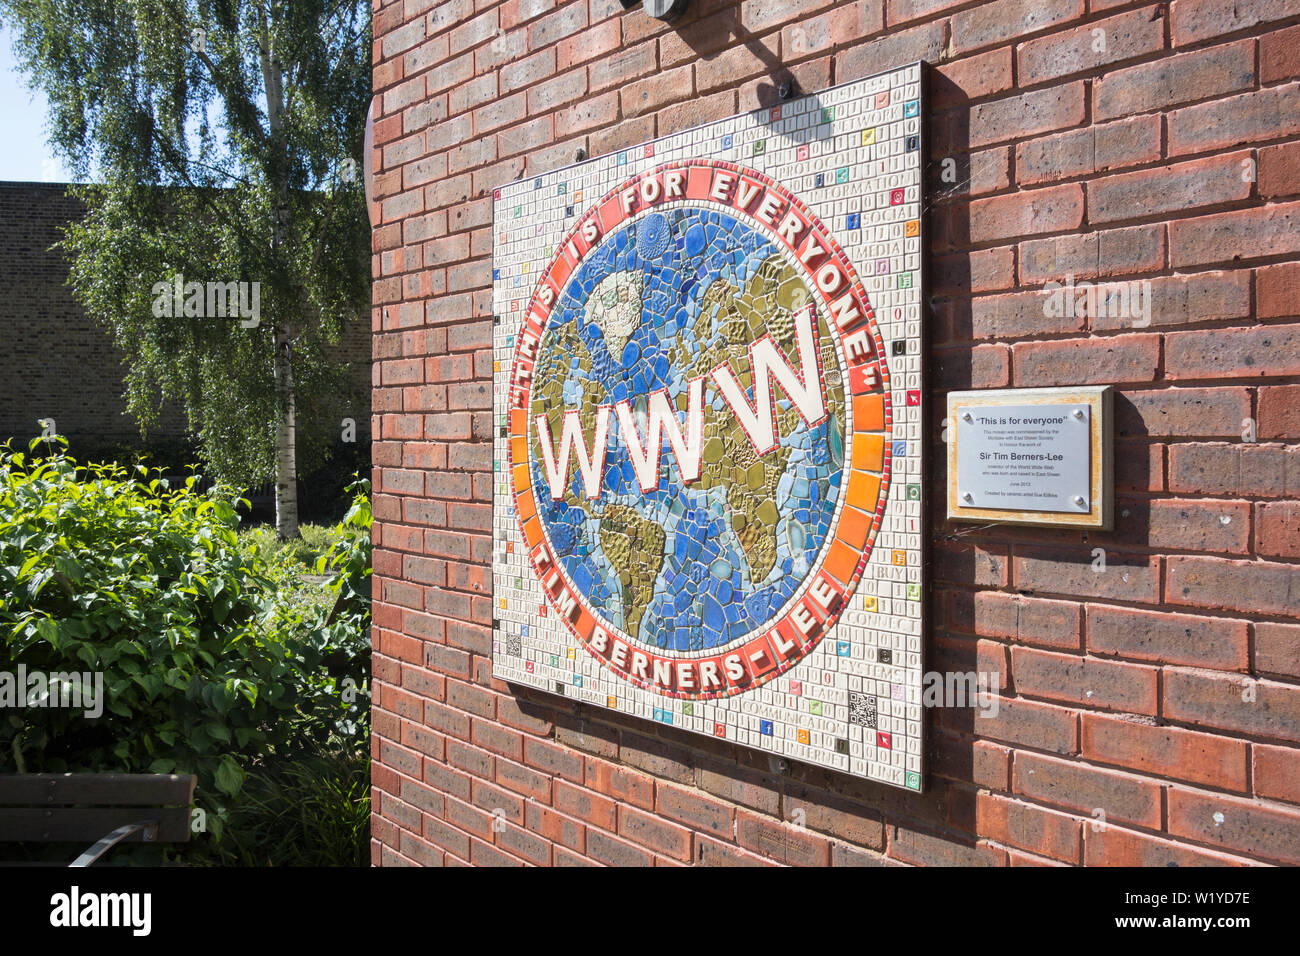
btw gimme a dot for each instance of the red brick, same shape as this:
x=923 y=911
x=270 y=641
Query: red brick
x=1081 y=152
x=1255 y=587
x=701 y=38
x=979 y=762
x=983 y=270
x=587 y=114
x=840 y=817
x=1025 y=620
x=1028 y=827
x=1110 y=361
x=1220 y=527
x=971 y=78
x=1128 y=577
x=729 y=68
x=1161 y=637
x=1023 y=722
x=589 y=807
x=615 y=852
x=1128 y=36
x=1106 y=845
x=1027 y=114
x=1237 y=825
x=555 y=827
x=1131 y=251
x=1277 y=55
x=925 y=849
x=1174 y=80
x=553 y=760
x=650 y=94
x=845 y=20
x=1193 y=21
x=1270 y=350
x=1277 y=649
x=1279 y=412
x=650 y=831
x=1088 y=682
x=894 y=49
x=786 y=844
x=991 y=24
x=1015 y=315
x=1169 y=189
x=1085 y=788
x=1165 y=751
x=1182 y=412
x=1223 y=237
x=1216 y=701
x=843 y=855
x=625 y=786
x=1277 y=291
x=741 y=785
x=1277 y=529
x=1263 y=115
x=595 y=43
x=983 y=366
x=1279 y=171
x=695 y=809
x=971 y=565
x=695 y=111
x=1269 y=471
x=1276 y=772
x=710 y=852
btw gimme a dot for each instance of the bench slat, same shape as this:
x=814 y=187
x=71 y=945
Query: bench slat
x=111 y=789
x=60 y=824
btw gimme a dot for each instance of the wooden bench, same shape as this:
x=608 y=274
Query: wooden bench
x=106 y=808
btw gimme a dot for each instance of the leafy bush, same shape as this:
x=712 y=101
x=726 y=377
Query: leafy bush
x=208 y=667
x=315 y=541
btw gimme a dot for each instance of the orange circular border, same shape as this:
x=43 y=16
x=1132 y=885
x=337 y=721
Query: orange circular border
x=775 y=647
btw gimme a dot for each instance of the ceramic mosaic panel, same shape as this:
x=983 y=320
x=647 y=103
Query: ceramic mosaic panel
x=708 y=400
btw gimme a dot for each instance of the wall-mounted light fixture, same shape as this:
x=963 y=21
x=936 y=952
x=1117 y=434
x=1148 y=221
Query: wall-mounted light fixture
x=666 y=10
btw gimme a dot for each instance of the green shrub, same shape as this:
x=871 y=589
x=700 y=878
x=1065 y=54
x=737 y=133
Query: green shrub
x=209 y=664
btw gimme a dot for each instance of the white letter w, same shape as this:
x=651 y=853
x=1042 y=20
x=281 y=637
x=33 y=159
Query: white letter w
x=590 y=464
x=765 y=362
x=645 y=455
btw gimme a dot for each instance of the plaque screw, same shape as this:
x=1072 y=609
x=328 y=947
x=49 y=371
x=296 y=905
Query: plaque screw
x=968 y=497
x=967 y=417
x=1078 y=413
x=1079 y=500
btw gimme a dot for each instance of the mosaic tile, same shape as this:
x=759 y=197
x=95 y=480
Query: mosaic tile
x=708 y=501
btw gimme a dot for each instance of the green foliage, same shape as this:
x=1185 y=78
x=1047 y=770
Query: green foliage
x=314 y=541
x=218 y=135
x=303 y=811
x=209 y=665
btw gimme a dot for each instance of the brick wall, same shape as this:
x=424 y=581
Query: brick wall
x=49 y=342
x=56 y=362
x=1162 y=692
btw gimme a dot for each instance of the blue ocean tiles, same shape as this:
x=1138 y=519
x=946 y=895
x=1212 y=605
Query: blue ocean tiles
x=684 y=566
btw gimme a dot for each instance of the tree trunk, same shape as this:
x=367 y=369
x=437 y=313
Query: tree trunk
x=286 y=465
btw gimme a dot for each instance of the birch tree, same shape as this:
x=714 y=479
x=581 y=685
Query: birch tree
x=222 y=142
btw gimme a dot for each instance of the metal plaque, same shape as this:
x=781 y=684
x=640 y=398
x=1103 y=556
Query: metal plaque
x=1031 y=456
x=1025 y=457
